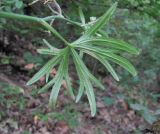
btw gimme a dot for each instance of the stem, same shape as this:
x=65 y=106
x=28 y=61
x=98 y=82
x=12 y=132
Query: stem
x=8 y=15
x=53 y=31
x=62 y=18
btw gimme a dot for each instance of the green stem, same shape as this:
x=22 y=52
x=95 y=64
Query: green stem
x=62 y=18
x=52 y=30
x=8 y=15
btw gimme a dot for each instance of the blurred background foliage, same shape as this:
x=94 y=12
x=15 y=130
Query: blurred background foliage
x=135 y=21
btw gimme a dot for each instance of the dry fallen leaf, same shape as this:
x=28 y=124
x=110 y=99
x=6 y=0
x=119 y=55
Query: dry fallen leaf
x=62 y=128
x=42 y=80
x=29 y=66
x=64 y=84
x=53 y=72
x=36 y=119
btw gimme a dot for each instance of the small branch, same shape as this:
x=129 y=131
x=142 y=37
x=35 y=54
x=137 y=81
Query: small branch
x=53 y=4
x=32 y=19
x=62 y=18
x=35 y=1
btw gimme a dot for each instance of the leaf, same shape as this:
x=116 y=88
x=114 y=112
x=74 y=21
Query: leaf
x=59 y=78
x=108 y=101
x=109 y=68
x=95 y=48
x=48 y=44
x=92 y=78
x=69 y=87
x=47 y=75
x=138 y=107
x=105 y=63
x=47 y=86
x=101 y=21
x=89 y=89
x=56 y=89
x=149 y=117
x=110 y=42
x=80 y=91
x=66 y=75
x=91 y=96
x=115 y=58
x=123 y=63
x=18 y=4
x=48 y=51
x=50 y=64
x=97 y=82
x=81 y=16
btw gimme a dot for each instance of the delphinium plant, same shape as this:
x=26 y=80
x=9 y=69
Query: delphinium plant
x=92 y=42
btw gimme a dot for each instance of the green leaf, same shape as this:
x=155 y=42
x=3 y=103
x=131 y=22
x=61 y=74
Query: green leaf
x=101 y=21
x=67 y=79
x=56 y=88
x=95 y=48
x=48 y=51
x=47 y=75
x=115 y=58
x=123 y=63
x=108 y=101
x=50 y=64
x=81 y=16
x=105 y=63
x=110 y=42
x=149 y=117
x=109 y=68
x=80 y=91
x=69 y=87
x=91 y=96
x=47 y=86
x=18 y=4
x=138 y=107
x=92 y=78
x=49 y=45
x=59 y=78
x=89 y=89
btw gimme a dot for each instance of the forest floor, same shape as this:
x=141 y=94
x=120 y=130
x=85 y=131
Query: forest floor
x=26 y=112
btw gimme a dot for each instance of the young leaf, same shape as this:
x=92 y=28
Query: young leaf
x=81 y=16
x=101 y=21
